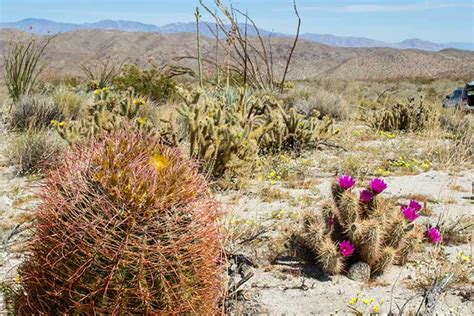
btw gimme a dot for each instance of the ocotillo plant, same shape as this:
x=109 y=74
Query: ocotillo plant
x=361 y=227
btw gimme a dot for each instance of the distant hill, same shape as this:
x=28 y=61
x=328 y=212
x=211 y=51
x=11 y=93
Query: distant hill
x=42 y=27
x=311 y=60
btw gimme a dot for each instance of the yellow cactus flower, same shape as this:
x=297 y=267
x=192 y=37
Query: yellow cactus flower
x=138 y=102
x=376 y=309
x=353 y=300
x=159 y=162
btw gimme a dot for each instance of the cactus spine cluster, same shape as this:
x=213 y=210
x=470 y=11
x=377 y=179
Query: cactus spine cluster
x=407 y=116
x=375 y=230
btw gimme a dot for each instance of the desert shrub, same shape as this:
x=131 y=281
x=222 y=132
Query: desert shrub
x=33 y=151
x=21 y=63
x=126 y=226
x=109 y=112
x=354 y=228
x=325 y=103
x=228 y=129
x=33 y=111
x=100 y=73
x=154 y=83
x=402 y=116
x=72 y=104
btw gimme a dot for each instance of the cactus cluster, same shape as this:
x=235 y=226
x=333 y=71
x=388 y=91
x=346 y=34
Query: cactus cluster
x=358 y=227
x=126 y=226
x=402 y=116
x=228 y=130
x=293 y=131
x=110 y=112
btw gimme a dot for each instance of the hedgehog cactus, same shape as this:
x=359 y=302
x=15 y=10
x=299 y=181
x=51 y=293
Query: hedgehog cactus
x=374 y=229
x=126 y=227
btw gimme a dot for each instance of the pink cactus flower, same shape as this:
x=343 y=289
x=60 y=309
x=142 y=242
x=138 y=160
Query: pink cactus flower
x=415 y=205
x=346 y=182
x=366 y=196
x=378 y=185
x=434 y=235
x=409 y=213
x=346 y=248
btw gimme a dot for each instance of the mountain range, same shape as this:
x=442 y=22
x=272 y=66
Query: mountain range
x=69 y=50
x=43 y=27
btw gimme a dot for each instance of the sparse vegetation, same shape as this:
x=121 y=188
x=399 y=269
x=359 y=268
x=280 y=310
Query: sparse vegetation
x=33 y=151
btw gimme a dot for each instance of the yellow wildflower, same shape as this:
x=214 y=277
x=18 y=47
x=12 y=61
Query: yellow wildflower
x=382 y=301
x=54 y=122
x=366 y=301
x=376 y=309
x=97 y=91
x=353 y=300
x=17 y=279
x=62 y=124
x=159 y=162
x=463 y=258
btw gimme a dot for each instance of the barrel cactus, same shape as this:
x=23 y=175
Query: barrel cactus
x=126 y=226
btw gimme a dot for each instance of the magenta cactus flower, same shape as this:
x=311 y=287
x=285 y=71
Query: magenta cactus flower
x=434 y=235
x=346 y=182
x=366 y=196
x=415 y=205
x=409 y=213
x=378 y=185
x=346 y=248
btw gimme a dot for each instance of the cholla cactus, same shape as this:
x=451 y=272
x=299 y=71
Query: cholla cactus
x=360 y=227
x=402 y=116
x=228 y=130
x=111 y=112
x=126 y=226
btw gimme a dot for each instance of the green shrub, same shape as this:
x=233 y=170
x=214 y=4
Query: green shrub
x=352 y=228
x=126 y=226
x=33 y=111
x=153 y=82
x=33 y=151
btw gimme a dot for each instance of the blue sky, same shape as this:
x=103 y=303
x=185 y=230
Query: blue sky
x=389 y=20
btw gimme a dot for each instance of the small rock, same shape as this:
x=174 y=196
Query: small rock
x=5 y=203
x=359 y=271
